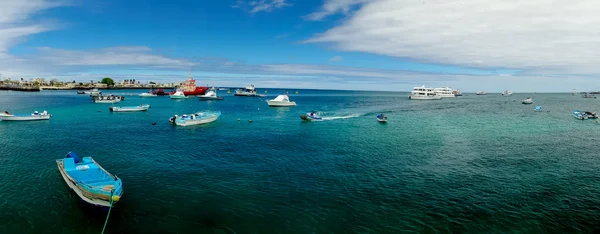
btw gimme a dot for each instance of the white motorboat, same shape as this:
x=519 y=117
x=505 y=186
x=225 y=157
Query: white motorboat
x=481 y=93
x=107 y=99
x=507 y=93
x=528 y=100
x=210 y=95
x=178 y=94
x=148 y=94
x=422 y=93
x=281 y=101
x=457 y=93
x=249 y=91
x=195 y=119
x=144 y=107
x=25 y=117
x=444 y=92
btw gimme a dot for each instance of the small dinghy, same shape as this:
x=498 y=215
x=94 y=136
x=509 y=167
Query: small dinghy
x=89 y=180
x=591 y=115
x=381 y=118
x=195 y=119
x=144 y=107
x=579 y=115
x=311 y=116
x=210 y=95
x=281 y=101
x=25 y=117
x=539 y=108
x=528 y=100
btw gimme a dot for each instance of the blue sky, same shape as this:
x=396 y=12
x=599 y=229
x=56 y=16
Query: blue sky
x=328 y=44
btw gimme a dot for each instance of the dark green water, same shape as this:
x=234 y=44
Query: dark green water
x=476 y=164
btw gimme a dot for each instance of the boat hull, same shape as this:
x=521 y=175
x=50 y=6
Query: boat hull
x=203 y=98
x=280 y=104
x=419 y=97
x=24 y=118
x=248 y=95
x=381 y=120
x=196 y=121
x=307 y=117
x=127 y=109
x=84 y=195
x=178 y=97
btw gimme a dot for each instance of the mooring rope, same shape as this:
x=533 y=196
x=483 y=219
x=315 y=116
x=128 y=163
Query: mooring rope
x=109 y=209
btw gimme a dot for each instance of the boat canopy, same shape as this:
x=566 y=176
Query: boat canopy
x=282 y=98
x=73 y=156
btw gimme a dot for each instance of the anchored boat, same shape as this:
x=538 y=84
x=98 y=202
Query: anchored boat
x=579 y=115
x=281 y=101
x=195 y=119
x=178 y=95
x=25 y=117
x=249 y=91
x=108 y=99
x=528 y=100
x=210 y=95
x=89 y=180
x=591 y=115
x=144 y=107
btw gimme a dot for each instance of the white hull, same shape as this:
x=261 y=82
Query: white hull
x=280 y=104
x=178 y=97
x=445 y=95
x=97 y=202
x=148 y=95
x=24 y=118
x=107 y=101
x=189 y=122
x=119 y=109
x=419 y=97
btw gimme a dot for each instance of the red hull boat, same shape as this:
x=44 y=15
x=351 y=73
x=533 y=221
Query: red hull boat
x=190 y=89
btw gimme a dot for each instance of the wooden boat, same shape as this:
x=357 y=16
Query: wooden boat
x=195 y=119
x=89 y=180
x=25 y=117
x=281 y=101
x=144 y=107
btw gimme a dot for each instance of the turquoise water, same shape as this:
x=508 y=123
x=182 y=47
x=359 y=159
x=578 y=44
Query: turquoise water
x=475 y=164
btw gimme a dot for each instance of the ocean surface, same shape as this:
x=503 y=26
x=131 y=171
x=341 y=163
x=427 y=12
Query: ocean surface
x=474 y=164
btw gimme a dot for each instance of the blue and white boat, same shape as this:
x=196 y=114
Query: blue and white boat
x=196 y=118
x=382 y=118
x=130 y=108
x=579 y=115
x=311 y=116
x=538 y=108
x=25 y=117
x=90 y=181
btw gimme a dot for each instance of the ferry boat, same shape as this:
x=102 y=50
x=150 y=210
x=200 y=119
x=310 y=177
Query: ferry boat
x=507 y=93
x=190 y=89
x=481 y=93
x=422 y=93
x=457 y=93
x=444 y=92
x=249 y=91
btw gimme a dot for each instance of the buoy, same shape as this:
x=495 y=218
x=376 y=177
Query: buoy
x=115 y=198
x=265 y=91
x=250 y=121
x=153 y=123
x=238 y=119
x=296 y=92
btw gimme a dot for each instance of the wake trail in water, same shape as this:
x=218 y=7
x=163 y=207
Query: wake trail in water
x=340 y=117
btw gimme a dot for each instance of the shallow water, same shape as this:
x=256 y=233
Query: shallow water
x=475 y=164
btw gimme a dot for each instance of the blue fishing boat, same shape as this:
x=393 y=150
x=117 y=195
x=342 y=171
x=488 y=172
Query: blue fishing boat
x=579 y=115
x=90 y=181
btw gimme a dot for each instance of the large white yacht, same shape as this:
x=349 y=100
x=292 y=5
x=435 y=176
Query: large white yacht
x=444 y=92
x=422 y=93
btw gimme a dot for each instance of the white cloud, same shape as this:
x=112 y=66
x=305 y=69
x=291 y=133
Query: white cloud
x=532 y=35
x=15 y=17
x=261 y=5
x=334 y=6
x=336 y=58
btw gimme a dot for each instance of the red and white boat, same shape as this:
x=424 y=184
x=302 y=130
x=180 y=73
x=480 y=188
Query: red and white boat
x=189 y=88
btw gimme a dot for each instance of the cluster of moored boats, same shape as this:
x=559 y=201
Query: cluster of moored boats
x=583 y=115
